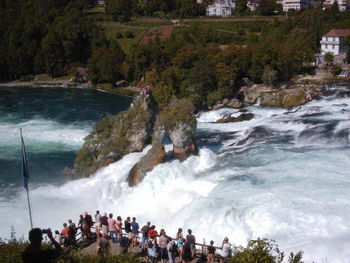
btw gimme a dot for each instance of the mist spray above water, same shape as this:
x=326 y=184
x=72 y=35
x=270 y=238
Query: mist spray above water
x=283 y=175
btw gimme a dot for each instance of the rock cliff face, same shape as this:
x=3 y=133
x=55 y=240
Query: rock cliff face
x=294 y=95
x=132 y=130
x=242 y=117
x=183 y=142
x=226 y=103
x=153 y=157
x=177 y=123
x=116 y=136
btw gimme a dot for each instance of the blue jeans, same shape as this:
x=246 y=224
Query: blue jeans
x=171 y=257
x=111 y=234
x=144 y=241
x=163 y=253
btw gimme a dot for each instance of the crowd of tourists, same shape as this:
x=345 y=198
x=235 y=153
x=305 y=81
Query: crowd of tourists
x=108 y=228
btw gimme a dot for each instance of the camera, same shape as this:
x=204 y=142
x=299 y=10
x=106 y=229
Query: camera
x=45 y=231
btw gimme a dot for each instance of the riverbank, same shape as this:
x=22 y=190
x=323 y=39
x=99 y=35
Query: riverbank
x=129 y=91
x=48 y=83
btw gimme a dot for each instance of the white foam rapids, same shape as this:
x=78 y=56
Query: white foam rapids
x=283 y=175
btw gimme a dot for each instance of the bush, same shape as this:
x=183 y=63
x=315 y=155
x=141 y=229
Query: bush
x=163 y=94
x=335 y=69
x=110 y=140
x=178 y=111
x=263 y=251
x=129 y=34
x=10 y=251
x=119 y=35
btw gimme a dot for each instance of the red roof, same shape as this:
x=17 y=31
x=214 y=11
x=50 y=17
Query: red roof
x=338 y=33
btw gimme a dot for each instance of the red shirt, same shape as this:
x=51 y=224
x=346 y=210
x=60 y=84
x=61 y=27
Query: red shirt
x=152 y=233
x=65 y=232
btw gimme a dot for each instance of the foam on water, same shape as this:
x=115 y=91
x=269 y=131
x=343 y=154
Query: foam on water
x=283 y=175
x=43 y=135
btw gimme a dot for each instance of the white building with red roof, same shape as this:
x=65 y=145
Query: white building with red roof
x=333 y=41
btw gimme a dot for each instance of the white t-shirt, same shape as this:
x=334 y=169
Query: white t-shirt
x=225 y=250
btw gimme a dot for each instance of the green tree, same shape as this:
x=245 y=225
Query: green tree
x=263 y=250
x=163 y=94
x=328 y=57
x=269 y=75
x=241 y=7
x=346 y=43
x=186 y=8
x=267 y=7
x=105 y=64
x=119 y=9
x=53 y=53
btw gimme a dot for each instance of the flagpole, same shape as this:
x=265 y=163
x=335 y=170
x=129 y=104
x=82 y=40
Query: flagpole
x=26 y=177
x=30 y=210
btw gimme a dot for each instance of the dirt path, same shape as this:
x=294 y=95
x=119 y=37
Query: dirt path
x=231 y=19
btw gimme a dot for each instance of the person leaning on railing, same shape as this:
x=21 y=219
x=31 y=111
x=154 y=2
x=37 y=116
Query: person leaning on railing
x=225 y=250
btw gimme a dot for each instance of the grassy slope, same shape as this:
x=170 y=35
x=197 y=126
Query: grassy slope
x=242 y=27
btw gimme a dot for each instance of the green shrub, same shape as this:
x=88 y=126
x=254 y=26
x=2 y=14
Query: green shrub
x=217 y=95
x=84 y=162
x=129 y=34
x=262 y=251
x=163 y=94
x=119 y=35
x=178 y=111
x=110 y=140
x=10 y=251
x=335 y=69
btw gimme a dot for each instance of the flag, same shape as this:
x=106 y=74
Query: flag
x=24 y=165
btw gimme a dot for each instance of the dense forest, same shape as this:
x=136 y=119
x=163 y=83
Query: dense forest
x=122 y=10
x=45 y=36
x=198 y=61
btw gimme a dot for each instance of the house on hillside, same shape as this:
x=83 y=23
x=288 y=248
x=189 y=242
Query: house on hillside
x=294 y=4
x=343 y=4
x=101 y=3
x=253 y=4
x=333 y=41
x=220 y=8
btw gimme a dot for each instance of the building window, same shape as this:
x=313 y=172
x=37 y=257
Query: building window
x=326 y=46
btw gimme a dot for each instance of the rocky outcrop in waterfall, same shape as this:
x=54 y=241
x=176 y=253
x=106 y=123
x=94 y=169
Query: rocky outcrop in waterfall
x=115 y=136
x=228 y=103
x=153 y=157
x=130 y=131
x=176 y=122
x=294 y=95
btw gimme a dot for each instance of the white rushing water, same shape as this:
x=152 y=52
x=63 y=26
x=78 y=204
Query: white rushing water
x=41 y=136
x=283 y=175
